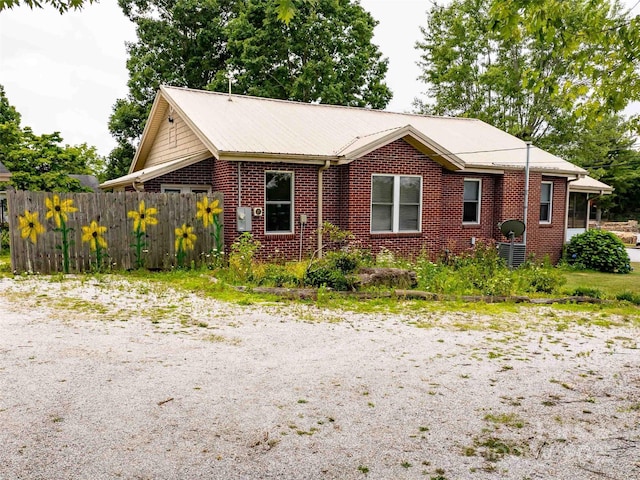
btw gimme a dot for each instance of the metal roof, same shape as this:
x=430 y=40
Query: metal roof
x=253 y=127
x=590 y=185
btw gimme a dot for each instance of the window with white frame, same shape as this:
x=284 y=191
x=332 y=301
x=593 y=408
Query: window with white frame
x=471 y=201
x=179 y=188
x=395 y=203
x=278 y=194
x=546 y=200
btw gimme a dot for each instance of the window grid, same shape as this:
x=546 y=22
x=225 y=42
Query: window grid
x=278 y=211
x=472 y=201
x=546 y=200
x=402 y=211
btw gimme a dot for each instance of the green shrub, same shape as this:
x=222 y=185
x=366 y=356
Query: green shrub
x=329 y=277
x=539 y=277
x=587 y=292
x=241 y=258
x=598 y=250
x=334 y=270
x=628 y=297
x=277 y=276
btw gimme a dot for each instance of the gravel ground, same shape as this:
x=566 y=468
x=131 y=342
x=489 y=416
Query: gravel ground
x=105 y=379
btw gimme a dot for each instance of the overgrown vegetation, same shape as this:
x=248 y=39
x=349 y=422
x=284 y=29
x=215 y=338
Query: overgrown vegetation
x=476 y=272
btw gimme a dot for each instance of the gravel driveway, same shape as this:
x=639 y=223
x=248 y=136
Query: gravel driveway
x=107 y=379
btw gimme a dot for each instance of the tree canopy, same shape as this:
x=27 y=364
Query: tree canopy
x=323 y=54
x=41 y=162
x=530 y=70
x=61 y=5
x=556 y=73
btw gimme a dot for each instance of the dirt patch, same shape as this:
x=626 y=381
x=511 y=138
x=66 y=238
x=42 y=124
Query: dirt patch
x=111 y=379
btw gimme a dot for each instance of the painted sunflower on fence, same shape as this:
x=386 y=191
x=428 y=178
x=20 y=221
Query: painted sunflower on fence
x=29 y=226
x=141 y=219
x=59 y=210
x=94 y=235
x=185 y=240
x=209 y=213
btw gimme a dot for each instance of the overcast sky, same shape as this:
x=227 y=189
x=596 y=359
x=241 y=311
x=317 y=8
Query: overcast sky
x=64 y=72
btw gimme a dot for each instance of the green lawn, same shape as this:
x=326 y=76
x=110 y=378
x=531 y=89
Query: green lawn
x=610 y=284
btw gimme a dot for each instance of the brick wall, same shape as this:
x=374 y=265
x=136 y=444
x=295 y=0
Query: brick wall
x=396 y=158
x=456 y=235
x=346 y=198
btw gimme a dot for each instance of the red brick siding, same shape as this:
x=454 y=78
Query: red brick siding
x=546 y=239
x=456 y=235
x=347 y=196
x=396 y=158
x=305 y=180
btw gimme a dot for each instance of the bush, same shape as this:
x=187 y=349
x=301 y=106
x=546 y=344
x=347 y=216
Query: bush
x=539 y=277
x=334 y=270
x=587 y=292
x=277 y=275
x=598 y=250
x=241 y=258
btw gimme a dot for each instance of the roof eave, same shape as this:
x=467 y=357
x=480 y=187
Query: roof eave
x=277 y=158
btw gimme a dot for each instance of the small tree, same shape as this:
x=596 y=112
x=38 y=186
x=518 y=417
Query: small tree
x=598 y=250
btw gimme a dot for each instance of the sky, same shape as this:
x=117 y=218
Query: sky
x=64 y=72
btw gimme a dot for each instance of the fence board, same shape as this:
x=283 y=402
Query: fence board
x=109 y=210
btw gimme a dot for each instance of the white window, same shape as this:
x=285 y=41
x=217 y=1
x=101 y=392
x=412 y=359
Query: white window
x=471 y=201
x=546 y=200
x=278 y=194
x=178 y=188
x=396 y=203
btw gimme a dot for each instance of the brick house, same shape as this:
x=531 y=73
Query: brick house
x=404 y=182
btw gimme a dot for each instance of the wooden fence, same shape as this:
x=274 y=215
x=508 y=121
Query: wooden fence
x=101 y=230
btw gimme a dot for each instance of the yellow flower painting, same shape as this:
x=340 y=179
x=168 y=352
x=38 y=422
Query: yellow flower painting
x=185 y=238
x=58 y=209
x=206 y=211
x=143 y=217
x=94 y=234
x=29 y=226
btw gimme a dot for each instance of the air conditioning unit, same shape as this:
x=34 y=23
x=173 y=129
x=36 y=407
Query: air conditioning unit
x=257 y=211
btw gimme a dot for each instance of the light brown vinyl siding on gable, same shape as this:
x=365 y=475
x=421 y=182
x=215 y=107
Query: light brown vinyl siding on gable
x=172 y=141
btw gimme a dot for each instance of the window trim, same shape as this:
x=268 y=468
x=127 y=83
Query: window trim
x=395 y=205
x=479 y=201
x=291 y=201
x=550 y=183
x=184 y=187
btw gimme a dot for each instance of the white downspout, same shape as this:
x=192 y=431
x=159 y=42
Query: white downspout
x=526 y=195
x=326 y=165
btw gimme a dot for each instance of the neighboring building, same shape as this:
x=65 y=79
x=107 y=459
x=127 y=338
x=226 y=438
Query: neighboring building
x=400 y=181
x=5 y=176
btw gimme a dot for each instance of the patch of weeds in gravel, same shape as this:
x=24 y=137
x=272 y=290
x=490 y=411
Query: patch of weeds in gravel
x=507 y=419
x=215 y=338
x=492 y=446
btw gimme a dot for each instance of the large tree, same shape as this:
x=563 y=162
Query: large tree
x=323 y=54
x=530 y=70
x=556 y=73
x=41 y=162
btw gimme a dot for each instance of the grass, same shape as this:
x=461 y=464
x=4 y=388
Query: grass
x=420 y=313
x=610 y=284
